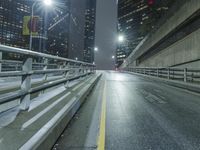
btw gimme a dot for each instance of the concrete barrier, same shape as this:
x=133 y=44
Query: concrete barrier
x=46 y=137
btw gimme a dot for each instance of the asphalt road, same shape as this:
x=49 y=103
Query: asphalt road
x=140 y=115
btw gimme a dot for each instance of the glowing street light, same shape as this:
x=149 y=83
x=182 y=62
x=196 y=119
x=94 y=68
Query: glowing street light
x=96 y=49
x=121 y=38
x=48 y=2
x=113 y=57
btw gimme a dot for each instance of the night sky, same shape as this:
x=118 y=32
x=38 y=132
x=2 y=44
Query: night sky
x=106 y=32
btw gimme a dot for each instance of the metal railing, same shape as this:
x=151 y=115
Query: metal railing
x=27 y=65
x=191 y=75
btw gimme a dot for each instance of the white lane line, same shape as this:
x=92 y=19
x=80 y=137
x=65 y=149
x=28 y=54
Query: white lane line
x=36 y=117
x=47 y=127
x=78 y=86
x=45 y=97
x=1 y=140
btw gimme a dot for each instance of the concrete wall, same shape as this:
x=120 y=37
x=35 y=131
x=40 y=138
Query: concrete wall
x=185 y=50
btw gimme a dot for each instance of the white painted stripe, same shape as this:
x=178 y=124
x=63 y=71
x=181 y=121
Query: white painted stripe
x=31 y=143
x=83 y=90
x=45 y=97
x=1 y=140
x=78 y=86
x=36 y=117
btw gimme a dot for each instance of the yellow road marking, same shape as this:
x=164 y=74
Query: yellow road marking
x=101 y=139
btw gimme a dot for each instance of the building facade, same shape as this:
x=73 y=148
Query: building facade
x=89 y=42
x=58 y=29
x=64 y=30
x=11 y=22
x=12 y=13
x=136 y=18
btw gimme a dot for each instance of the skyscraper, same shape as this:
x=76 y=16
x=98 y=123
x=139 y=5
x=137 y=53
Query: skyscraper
x=11 y=22
x=136 y=18
x=58 y=29
x=89 y=42
x=76 y=29
x=66 y=28
x=12 y=13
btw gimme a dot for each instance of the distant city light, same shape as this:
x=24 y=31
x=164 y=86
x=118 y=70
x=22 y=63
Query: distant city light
x=96 y=49
x=76 y=58
x=93 y=63
x=113 y=57
x=121 y=38
x=48 y=2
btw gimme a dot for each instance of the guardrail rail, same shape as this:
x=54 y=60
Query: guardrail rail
x=191 y=75
x=26 y=65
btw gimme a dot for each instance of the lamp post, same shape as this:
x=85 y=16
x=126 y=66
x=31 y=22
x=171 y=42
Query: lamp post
x=46 y=3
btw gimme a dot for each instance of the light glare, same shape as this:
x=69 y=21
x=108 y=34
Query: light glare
x=48 y=2
x=120 y=38
x=96 y=49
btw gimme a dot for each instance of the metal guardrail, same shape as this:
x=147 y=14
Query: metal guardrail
x=38 y=65
x=180 y=74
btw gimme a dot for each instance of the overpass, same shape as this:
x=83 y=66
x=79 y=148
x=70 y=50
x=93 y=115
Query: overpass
x=174 y=44
x=49 y=102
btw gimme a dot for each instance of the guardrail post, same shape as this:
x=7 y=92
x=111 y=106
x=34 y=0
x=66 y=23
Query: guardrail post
x=0 y=61
x=157 y=73
x=168 y=73
x=26 y=83
x=66 y=74
x=45 y=68
x=80 y=70
x=185 y=75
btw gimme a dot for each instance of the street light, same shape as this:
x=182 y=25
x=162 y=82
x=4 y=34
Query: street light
x=121 y=38
x=113 y=57
x=46 y=3
x=96 y=49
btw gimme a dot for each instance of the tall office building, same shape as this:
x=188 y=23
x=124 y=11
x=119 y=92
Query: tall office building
x=136 y=18
x=62 y=29
x=58 y=29
x=66 y=32
x=89 y=43
x=12 y=13
x=76 y=29
x=11 y=22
